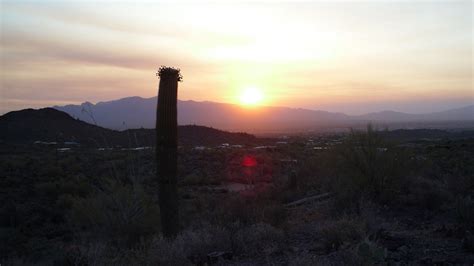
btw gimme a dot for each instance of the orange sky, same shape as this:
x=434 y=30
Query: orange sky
x=353 y=56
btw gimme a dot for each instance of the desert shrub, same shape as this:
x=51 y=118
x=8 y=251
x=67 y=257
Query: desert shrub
x=121 y=213
x=98 y=253
x=188 y=248
x=55 y=188
x=258 y=238
x=94 y=253
x=65 y=202
x=451 y=162
x=368 y=166
x=47 y=188
x=259 y=207
x=460 y=184
x=192 y=245
x=313 y=169
x=426 y=193
x=465 y=210
x=370 y=253
x=50 y=170
x=274 y=214
x=305 y=259
x=194 y=179
x=345 y=230
x=12 y=242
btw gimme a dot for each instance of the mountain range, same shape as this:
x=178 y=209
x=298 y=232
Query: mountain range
x=137 y=112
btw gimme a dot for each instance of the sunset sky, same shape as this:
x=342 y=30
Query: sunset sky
x=353 y=56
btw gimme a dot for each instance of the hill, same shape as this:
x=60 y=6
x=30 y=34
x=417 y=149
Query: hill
x=51 y=125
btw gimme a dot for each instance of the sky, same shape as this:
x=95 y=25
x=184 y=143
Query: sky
x=345 y=56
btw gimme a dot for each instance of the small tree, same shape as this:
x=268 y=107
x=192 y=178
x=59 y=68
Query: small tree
x=166 y=149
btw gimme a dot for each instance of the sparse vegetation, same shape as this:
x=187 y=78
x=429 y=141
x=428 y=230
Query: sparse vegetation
x=118 y=214
x=369 y=167
x=100 y=207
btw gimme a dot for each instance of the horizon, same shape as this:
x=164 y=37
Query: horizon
x=266 y=106
x=417 y=57
x=244 y=107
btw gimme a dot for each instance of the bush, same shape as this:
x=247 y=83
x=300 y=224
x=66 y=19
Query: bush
x=121 y=213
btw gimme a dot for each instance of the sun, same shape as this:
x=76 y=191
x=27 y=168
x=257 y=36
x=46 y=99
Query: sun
x=251 y=96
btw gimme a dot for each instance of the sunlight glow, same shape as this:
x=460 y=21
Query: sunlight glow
x=310 y=54
x=251 y=96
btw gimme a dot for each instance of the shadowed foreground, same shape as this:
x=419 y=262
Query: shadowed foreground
x=357 y=198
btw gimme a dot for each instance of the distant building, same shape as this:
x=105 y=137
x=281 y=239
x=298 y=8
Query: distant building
x=38 y=142
x=199 y=148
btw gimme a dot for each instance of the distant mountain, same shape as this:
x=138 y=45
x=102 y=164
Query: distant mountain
x=385 y=116
x=137 y=112
x=51 y=125
x=132 y=112
x=459 y=114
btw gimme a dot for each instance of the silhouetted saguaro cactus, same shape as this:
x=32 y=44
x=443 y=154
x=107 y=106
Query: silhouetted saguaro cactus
x=166 y=149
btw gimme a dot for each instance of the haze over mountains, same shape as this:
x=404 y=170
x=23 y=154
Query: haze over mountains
x=137 y=112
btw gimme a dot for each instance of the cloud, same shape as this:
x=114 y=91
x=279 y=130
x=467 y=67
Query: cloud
x=18 y=48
